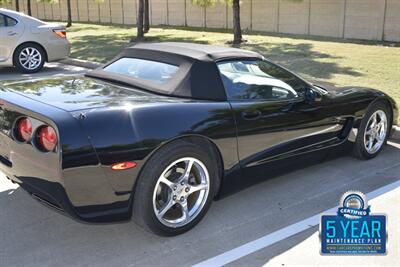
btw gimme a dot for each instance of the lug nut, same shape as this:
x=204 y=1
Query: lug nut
x=174 y=197
x=182 y=183
x=182 y=199
x=175 y=187
x=187 y=189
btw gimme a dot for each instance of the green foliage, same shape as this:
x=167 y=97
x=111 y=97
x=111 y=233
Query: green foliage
x=47 y=1
x=4 y=2
x=204 y=3
x=210 y=3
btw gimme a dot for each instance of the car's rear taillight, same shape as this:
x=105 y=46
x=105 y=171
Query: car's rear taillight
x=60 y=33
x=47 y=138
x=24 y=130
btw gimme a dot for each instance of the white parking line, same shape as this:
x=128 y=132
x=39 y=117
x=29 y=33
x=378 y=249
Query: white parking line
x=272 y=238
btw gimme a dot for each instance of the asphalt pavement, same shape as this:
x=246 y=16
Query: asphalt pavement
x=53 y=69
x=33 y=235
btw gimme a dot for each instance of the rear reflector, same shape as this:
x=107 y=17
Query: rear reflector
x=61 y=33
x=24 y=130
x=47 y=138
x=123 y=165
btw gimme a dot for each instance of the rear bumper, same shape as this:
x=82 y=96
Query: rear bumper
x=58 y=49
x=70 y=178
x=54 y=195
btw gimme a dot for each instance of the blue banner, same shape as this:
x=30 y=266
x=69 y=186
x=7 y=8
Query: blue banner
x=364 y=235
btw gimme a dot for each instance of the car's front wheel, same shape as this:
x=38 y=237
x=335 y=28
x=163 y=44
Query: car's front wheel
x=175 y=189
x=373 y=131
x=29 y=58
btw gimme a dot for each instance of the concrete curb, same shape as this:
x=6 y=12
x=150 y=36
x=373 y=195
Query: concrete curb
x=81 y=63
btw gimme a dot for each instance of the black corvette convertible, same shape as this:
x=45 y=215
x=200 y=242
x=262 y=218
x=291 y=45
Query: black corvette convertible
x=163 y=128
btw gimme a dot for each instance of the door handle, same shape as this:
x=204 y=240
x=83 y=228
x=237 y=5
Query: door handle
x=251 y=114
x=11 y=33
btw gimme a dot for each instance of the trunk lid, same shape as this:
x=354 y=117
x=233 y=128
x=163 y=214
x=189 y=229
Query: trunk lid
x=79 y=93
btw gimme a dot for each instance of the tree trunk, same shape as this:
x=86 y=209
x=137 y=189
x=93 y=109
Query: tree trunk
x=140 y=33
x=17 y=5
x=29 y=8
x=69 y=24
x=237 y=30
x=146 y=26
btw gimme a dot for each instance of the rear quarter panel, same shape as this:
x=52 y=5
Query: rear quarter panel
x=135 y=132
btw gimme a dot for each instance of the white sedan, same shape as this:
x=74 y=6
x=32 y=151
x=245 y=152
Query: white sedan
x=27 y=43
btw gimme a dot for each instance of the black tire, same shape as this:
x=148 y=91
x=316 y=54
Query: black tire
x=20 y=66
x=359 y=149
x=143 y=212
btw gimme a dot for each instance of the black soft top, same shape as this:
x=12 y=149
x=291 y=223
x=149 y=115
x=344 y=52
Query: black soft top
x=198 y=76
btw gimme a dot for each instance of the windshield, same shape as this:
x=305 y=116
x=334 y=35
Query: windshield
x=144 y=69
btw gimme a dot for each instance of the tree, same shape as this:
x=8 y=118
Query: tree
x=28 y=3
x=17 y=5
x=146 y=26
x=140 y=30
x=69 y=19
x=237 y=30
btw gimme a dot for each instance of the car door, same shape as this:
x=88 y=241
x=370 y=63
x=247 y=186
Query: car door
x=10 y=32
x=274 y=118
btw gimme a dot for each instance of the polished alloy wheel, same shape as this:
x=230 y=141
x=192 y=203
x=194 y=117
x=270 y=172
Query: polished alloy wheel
x=181 y=192
x=375 y=132
x=30 y=58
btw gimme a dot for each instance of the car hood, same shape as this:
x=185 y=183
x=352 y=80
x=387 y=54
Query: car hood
x=333 y=89
x=79 y=93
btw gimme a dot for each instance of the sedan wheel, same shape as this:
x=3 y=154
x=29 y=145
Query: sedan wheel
x=181 y=192
x=29 y=58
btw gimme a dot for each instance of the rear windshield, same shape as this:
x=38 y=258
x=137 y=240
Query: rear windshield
x=144 y=69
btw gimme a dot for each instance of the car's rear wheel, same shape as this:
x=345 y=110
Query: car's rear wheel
x=373 y=131
x=29 y=58
x=175 y=189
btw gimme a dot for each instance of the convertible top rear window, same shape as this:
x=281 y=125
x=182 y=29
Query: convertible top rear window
x=144 y=69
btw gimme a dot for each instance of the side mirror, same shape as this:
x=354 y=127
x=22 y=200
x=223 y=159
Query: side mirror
x=312 y=95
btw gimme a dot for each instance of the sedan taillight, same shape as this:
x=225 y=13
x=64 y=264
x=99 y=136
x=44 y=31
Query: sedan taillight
x=60 y=33
x=47 y=138
x=24 y=130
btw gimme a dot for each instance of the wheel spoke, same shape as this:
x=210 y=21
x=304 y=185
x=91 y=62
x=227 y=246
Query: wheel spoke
x=381 y=132
x=374 y=119
x=185 y=210
x=196 y=188
x=166 y=208
x=370 y=142
x=167 y=182
x=188 y=169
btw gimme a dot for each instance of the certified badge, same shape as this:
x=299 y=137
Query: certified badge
x=353 y=230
